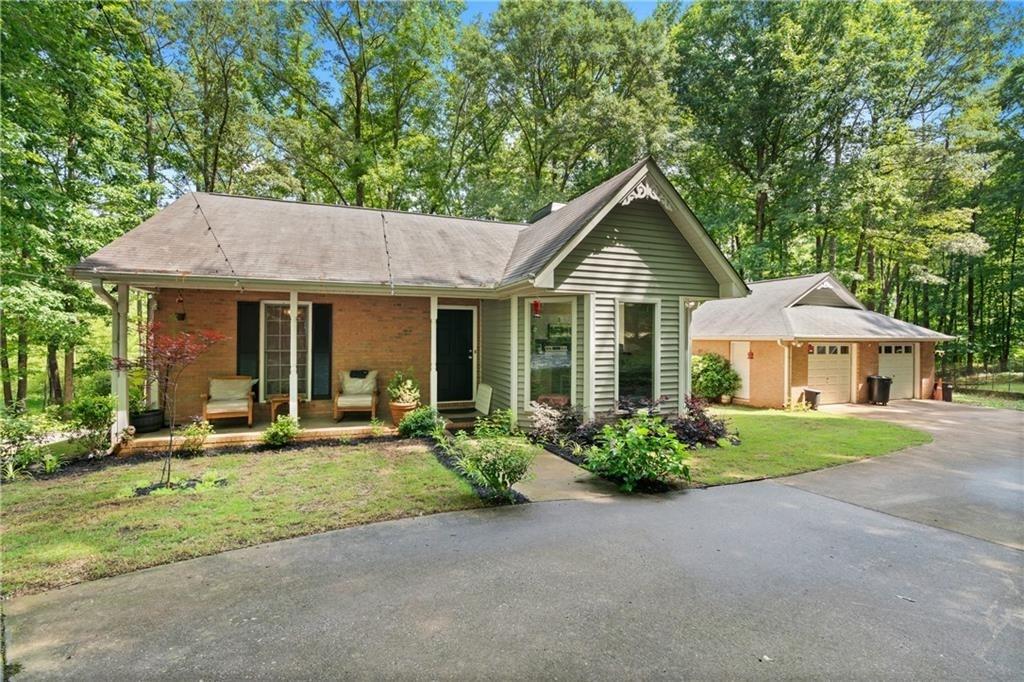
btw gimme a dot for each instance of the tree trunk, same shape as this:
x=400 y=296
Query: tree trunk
x=970 y=318
x=69 y=374
x=22 y=365
x=5 y=366
x=54 y=392
x=1004 y=355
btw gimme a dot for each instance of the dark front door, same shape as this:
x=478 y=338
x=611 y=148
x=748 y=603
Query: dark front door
x=454 y=355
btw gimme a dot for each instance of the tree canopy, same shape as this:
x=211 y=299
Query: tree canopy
x=882 y=140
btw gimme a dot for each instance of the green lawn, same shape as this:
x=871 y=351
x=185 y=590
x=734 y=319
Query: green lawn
x=988 y=401
x=777 y=443
x=83 y=526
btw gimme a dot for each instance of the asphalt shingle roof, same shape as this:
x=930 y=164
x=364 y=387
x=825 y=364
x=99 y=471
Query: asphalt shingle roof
x=768 y=313
x=273 y=239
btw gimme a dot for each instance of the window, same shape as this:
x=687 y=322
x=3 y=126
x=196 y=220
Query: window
x=276 y=351
x=833 y=350
x=820 y=350
x=637 y=331
x=908 y=349
x=552 y=334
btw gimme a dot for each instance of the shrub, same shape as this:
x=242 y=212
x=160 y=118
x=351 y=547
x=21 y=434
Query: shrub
x=194 y=436
x=21 y=443
x=93 y=414
x=403 y=387
x=549 y=423
x=698 y=427
x=498 y=424
x=420 y=422
x=638 y=449
x=493 y=463
x=281 y=431
x=713 y=376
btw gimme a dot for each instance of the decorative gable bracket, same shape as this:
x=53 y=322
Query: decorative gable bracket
x=644 y=191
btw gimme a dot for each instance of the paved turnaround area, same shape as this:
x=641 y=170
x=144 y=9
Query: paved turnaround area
x=754 y=580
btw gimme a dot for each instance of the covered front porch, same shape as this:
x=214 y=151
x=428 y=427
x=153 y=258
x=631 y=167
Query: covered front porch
x=295 y=347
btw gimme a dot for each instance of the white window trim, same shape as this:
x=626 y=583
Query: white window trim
x=528 y=347
x=656 y=302
x=476 y=348
x=309 y=346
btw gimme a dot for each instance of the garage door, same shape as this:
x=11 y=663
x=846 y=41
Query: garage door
x=828 y=370
x=897 y=361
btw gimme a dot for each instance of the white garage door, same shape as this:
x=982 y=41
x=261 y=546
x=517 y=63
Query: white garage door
x=897 y=361
x=828 y=370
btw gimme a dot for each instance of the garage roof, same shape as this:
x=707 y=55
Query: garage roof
x=808 y=307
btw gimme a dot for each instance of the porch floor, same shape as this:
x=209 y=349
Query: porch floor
x=235 y=432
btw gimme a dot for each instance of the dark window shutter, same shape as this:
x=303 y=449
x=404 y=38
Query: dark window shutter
x=321 y=350
x=247 y=339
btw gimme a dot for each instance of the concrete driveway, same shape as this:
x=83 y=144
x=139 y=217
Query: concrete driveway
x=764 y=580
x=969 y=479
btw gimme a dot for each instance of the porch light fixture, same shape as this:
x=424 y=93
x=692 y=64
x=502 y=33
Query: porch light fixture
x=535 y=305
x=180 y=312
x=750 y=355
x=810 y=349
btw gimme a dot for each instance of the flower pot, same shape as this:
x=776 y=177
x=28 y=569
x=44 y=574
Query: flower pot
x=148 y=421
x=726 y=399
x=399 y=410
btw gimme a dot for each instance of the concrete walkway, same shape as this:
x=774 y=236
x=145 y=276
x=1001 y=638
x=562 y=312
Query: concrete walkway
x=553 y=478
x=969 y=479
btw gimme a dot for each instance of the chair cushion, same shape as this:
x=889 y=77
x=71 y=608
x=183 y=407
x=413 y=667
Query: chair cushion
x=220 y=406
x=359 y=386
x=230 y=389
x=363 y=400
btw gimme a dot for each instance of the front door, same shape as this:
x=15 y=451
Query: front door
x=454 y=355
x=739 y=358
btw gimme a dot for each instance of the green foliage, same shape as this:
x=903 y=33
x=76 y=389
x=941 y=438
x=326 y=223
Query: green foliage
x=281 y=431
x=21 y=442
x=378 y=427
x=493 y=463
x=498 y=424
x=94 y=414
x=639 y=449
x=420 y=422
x=194 y=436
x=713 y=376
x=403 y=387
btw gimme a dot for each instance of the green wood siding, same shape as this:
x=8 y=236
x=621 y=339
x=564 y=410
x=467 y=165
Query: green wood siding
x=495 y=351
x=635 y=252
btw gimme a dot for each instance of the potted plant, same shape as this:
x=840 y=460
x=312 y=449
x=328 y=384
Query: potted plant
x=142 y=418
x=404 y=395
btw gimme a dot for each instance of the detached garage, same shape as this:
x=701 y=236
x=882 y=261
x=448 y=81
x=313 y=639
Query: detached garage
x=811 y=332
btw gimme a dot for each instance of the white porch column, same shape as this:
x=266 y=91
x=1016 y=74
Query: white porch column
x=153 y=387
x=433 y=351
x=293 y=354
x=686 y=346
x=120 y=378
x=590 y=346
x=513 y=398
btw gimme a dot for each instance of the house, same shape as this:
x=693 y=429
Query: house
x=588 y=302
x=811 y=332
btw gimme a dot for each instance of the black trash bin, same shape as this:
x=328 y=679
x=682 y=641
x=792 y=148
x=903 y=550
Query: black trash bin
x=947 y=392
x=812 y=396
x=878 y=389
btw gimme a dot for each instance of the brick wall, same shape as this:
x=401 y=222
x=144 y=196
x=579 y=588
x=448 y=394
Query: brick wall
x=766 y=369
x=797 y=371
x=927 y=369
x=386 y=333
x=867 y=364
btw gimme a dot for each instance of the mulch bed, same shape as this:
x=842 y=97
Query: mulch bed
x=485 y=494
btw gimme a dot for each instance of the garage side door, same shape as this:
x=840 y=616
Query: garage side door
x=828 y=370
x=897 y=361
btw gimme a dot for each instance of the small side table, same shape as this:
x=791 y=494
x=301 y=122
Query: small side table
x=277 y=400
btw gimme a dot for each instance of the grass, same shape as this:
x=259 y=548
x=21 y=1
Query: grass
x=777 y=443
x=86 y=525
x=988 y=401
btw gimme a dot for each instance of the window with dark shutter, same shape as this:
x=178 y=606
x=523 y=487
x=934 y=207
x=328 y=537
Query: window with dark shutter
x=321 y=350
x=247 y=339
